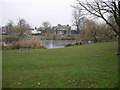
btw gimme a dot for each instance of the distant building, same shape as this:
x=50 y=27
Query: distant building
x=4 y=31
x=35 y=31
x=62 y=30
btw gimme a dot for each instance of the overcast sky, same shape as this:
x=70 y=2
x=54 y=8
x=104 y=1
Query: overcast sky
x=37 y=11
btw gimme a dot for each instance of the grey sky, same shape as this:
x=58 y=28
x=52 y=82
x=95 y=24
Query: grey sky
x=37 y=11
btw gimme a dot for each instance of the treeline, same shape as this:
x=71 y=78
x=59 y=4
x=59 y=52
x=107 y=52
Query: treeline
x=90 y=29
x=19 y=29
x=94 y=31
x=23 y=28
x=107 y=10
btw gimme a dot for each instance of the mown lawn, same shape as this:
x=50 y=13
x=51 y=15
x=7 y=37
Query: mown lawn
x=86 y=66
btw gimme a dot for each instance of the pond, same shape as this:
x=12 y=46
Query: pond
x=49 y=44
x=57 y=43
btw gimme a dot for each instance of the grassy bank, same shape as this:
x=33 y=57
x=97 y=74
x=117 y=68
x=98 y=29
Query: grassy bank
x=60 y=37
x=87 y=66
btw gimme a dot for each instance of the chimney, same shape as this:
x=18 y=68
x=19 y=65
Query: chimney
x=35 y=27
x=67 y=24
x=59 y=24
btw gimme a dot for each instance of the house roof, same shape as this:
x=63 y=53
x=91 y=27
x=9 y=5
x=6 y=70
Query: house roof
x=62 y=27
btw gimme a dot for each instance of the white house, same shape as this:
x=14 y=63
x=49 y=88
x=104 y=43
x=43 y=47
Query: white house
x=35 y=32
x=62 y=29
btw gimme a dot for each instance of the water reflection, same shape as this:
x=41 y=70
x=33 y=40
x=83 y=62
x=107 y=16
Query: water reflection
x=58 y=43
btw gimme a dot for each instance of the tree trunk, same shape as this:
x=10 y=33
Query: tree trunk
x=78 y=31
x=119 y=44
x=95 y=39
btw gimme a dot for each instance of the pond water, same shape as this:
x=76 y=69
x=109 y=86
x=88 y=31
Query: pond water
x=57 y=43
x=49 y=44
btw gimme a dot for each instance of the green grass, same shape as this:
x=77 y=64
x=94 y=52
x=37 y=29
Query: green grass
x=62 y=68
x=57 y=37
x=7 y=36
x=44 y=37
x=51 y=37
x=108 y=39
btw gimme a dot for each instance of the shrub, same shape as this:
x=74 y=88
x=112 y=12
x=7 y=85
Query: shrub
x=10 y=39
x=66 y=45
x=76 y=43
x=67 y=38
x=32 y=42
x=14 y=45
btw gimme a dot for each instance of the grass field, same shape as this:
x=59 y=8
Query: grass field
x=59 y=37
x=4 y=36
x=87 y=66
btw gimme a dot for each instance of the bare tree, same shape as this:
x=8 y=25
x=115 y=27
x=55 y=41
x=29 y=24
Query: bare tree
x=22 y=22
x=102 y=9
x=48 y=32
x=46 y=25
x=78 y=19
x=9 y=27
x=21 y=30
